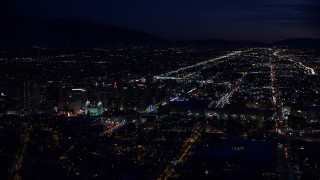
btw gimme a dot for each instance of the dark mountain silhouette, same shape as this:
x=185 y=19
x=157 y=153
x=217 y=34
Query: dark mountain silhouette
x=74 y=32
x=300 y=43
x=293 y=43
x=71 y=32
x=220 y=43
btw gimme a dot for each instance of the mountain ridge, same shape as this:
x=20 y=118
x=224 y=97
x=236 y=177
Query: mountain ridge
x=77 y=32
x=70 y=32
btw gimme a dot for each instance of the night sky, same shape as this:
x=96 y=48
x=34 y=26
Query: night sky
x=260 y=20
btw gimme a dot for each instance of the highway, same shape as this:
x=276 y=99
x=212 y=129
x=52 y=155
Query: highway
x=20 y=155
x=225 y=99
x=276 y=100
x=308 y=68
x=186 y=151
x=168 y=75
x=283 y=155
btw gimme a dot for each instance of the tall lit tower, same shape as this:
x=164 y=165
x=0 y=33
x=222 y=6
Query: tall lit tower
x=86 y=107
x=99 y=108
x=116 y=89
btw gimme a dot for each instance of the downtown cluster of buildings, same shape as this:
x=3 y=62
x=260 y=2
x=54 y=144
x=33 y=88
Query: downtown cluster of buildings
x=63 y=99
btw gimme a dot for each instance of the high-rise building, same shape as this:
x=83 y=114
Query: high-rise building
x=36 y=96
x=116 y=89
x=72 y=99
x=78 y=95
x=100 y=108
x=86 y=107
x=3 y=109
x=26 y=97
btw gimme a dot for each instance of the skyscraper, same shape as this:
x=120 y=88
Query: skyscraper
x=2 y=104
x=26 y=97
x=36 y=96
